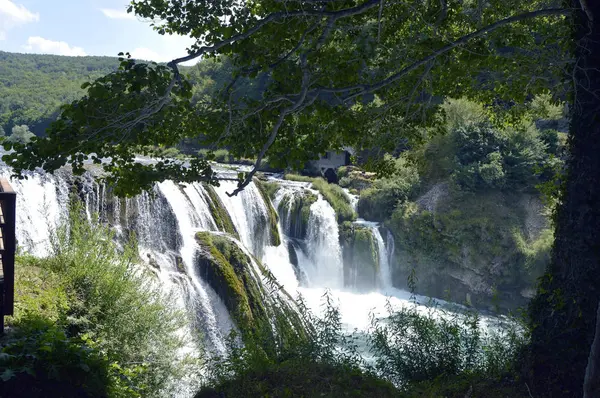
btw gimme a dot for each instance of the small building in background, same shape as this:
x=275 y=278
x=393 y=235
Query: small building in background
x=327 y=165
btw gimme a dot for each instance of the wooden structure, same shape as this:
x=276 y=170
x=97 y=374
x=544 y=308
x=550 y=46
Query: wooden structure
x=7 y=250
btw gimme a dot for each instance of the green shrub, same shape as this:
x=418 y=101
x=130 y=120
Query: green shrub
x=222 y=156
x=412 y=347
x=544 y=107
x=489 y=158
x=422 y=353
x=91 y=306
x=378 y=202
x=38 y=359
x=461 y=112
x=337 y=198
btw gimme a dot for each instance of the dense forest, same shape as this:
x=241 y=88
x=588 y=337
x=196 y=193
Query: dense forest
x=34 y=86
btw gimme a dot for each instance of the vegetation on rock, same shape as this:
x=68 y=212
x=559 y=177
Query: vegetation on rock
x=258 y=314
x=219 y=213
x=273 y=220
x=332 y=193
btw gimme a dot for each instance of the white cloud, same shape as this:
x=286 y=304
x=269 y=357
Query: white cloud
x=116 y=14
x=145 y=54
x=38 y=44
x=13 y=15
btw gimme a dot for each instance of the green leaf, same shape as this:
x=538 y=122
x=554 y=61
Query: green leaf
x=7 y=375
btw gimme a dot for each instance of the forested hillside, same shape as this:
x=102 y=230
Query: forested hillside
x=33 y=86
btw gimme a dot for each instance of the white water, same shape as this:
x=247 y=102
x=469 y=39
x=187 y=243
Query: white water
x=216 y=320
x=384 y=252
x=249 y=215
x=324 y=252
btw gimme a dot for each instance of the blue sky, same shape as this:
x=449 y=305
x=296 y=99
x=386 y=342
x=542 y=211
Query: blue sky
x=82 y=27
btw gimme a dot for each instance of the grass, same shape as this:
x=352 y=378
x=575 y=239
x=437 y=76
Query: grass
x=332 y=193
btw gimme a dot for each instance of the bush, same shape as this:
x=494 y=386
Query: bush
x=489 y=158
x=412 y=347
x=105 y=325
x=378 y=202
x=116 y=303
x=424 y=354
x=325 y=364
x=222 y=156
x=40 y=360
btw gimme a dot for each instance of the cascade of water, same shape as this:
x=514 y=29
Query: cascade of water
x=249 y=215
x=390 y=245
x=285 y=214
x=385 y=277
x=198 y=197
x=323 y=246
x=41 y=204
x=212 y=314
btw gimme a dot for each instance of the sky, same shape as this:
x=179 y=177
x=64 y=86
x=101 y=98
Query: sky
x=83 y=27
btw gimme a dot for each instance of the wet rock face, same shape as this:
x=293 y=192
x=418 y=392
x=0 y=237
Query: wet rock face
x=485 y=250
x=360 y=256
x=294 y=211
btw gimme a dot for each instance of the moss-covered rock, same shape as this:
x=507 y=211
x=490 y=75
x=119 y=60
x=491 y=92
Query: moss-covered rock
x=228 y=270
x=263 y=311
x=270 y=187
x=294 y=210
x=219 y=213
x=273 y=221
x=485 y=250
x=360 y=255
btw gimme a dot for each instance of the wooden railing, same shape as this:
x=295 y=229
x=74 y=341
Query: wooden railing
x=7 y=250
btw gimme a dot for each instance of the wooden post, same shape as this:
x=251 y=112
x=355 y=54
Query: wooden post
x=7 y=248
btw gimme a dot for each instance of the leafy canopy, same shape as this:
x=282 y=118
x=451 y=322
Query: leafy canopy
x=324 y=74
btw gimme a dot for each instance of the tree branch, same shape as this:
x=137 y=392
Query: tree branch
x=369 y=88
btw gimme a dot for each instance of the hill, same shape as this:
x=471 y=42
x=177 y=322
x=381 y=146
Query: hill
x=33 y=86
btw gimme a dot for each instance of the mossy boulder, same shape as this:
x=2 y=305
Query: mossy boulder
x=228 y=270
x=294 y=210
x=219 y=213
x=273 y=221
x=360 y=255
x=263 y=311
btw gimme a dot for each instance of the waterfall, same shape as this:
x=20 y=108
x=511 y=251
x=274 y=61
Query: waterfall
x=41 y=205
x=165 y=221
x=249 y=215
x=391 y=249
x=211 y=311
x=323 y=246
x=385 y=275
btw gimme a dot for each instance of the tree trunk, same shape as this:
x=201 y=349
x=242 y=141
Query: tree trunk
x=563 y=312
x=591 y=383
